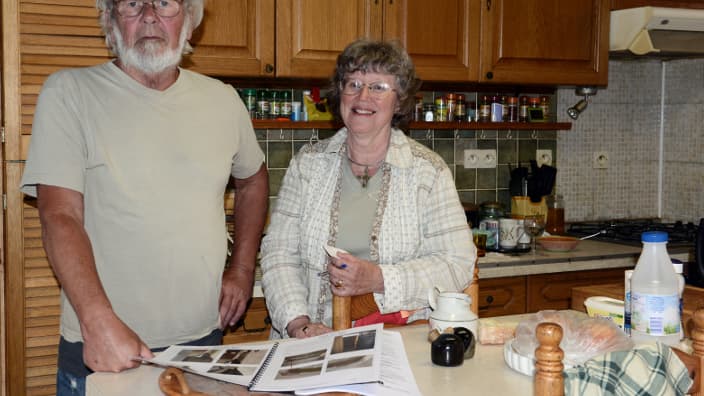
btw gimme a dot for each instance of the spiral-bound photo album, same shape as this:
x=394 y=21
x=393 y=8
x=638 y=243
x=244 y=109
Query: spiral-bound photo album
x=342 y=357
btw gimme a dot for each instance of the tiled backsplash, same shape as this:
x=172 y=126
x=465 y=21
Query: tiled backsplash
x=625 y=120
x=473 y=185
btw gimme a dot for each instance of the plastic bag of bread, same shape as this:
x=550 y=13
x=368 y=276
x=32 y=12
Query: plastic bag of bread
x=494 y=331
x=582 y=337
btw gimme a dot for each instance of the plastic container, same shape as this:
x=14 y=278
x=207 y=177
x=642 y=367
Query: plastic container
x=628 y=274
x=678 y=267
x=607 y=308
x=655 y=311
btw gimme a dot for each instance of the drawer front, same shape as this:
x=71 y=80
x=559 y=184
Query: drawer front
x=554 y=291
x=502 y=296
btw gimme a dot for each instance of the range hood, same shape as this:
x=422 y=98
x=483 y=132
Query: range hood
x=658 y=31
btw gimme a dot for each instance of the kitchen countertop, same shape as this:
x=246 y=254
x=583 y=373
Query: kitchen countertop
x=588 y=255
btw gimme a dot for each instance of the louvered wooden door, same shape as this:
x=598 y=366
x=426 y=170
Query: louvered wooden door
x=39 y=37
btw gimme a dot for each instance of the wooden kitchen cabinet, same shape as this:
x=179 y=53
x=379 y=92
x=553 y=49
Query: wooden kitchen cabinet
x=554 y=291
x=236 y=38
x=502 y=296
x=254 y=326
x=442 y=40
x=552 y=42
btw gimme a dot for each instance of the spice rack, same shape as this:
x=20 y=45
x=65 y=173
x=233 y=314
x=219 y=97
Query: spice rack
x=451 y=125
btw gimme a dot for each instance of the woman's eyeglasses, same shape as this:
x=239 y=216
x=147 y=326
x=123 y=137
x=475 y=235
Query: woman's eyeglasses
x=376 y=89
x=163 y=8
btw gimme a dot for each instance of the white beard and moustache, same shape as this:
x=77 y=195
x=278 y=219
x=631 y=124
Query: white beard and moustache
x=149 y=59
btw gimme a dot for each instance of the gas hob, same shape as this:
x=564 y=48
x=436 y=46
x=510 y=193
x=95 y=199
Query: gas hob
x=628 y=232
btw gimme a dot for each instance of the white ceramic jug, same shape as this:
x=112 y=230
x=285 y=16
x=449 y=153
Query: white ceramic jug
x=451 y=309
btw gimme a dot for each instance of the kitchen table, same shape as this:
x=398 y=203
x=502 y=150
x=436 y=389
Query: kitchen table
x=485 y=374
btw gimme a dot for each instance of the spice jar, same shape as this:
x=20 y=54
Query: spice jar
x=418 y=113
x=460 y=108
x=440 y=109
x=512 y=113
x=545 y=106
x=523 y=110
x=451 y=100
x=489 y=215
x=484 y=110
x=534 y=110
x=428 y=112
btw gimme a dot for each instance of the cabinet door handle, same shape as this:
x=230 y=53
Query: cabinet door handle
x=489 y=75
x=488 y=5
x=269 y=68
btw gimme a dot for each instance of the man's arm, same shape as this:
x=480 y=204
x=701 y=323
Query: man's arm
x=108 y=342
x=251 y=201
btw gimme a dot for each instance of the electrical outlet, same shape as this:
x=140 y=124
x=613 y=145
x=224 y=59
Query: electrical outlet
x=543 y=157
x=601 y=160
x=480 y=158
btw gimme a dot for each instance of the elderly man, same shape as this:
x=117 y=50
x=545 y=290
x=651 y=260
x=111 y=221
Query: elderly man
x=129 y=161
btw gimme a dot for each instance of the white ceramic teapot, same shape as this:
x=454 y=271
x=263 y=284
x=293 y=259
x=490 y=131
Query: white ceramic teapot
x=451 y=309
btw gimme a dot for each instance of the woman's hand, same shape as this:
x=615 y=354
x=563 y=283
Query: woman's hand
x=301 y=327
x=351 y=276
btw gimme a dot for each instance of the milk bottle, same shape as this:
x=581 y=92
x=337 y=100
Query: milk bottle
x=655 y=293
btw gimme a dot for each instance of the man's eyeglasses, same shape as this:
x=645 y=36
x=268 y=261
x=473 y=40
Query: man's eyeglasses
x=376 y=89
x=163 y=8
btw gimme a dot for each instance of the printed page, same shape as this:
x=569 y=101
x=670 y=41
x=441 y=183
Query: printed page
x=342 y=357
x=235 y=363
x=396 y=375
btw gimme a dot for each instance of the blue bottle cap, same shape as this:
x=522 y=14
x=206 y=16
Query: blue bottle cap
x=654 y=236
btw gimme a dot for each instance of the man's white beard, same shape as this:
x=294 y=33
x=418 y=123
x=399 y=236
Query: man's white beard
x=153 y=57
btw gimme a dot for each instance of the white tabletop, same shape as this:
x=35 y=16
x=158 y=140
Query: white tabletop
x=485 y=374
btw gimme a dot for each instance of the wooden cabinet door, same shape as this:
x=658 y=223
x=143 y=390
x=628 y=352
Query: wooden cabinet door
x=311 y=33
x=554 y=291
x=502 y=296
x=545 y=42
x=236 y=38
x=441 y=37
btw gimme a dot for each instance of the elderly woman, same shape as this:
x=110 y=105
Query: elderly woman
x=386 y=200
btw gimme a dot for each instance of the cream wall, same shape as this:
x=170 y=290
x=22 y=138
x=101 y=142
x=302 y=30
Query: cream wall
x=626 y=120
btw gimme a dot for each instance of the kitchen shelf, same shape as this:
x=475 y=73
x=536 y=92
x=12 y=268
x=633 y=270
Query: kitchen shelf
x=538 y=126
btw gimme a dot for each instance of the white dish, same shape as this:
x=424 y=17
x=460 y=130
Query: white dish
x=523 y=364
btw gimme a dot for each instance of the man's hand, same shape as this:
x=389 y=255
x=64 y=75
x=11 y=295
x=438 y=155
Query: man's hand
x=235 y=294
x=109 y=345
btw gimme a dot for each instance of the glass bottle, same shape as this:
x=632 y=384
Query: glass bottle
x=249 y=97
x=263 y=107
x=460 y=108
x=545 y=106
x=534 y=110
x=484 y=110
x=274 y=104
x=512 y=109
x=285 y=104
x=440 y=109
x=523 y=110
x=555 y=223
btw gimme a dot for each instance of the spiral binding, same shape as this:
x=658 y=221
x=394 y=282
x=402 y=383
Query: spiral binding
x=263 y=367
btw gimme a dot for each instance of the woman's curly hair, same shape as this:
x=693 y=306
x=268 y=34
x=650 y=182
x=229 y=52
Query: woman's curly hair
x=368 y=56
